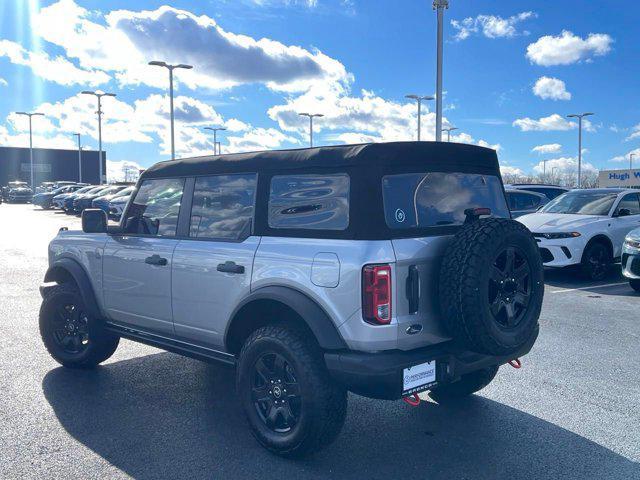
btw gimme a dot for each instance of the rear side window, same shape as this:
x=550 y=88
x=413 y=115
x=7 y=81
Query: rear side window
x=312 y=202
x=418 y=200
x=523 y=201
x=223 y=206
x=155 y=208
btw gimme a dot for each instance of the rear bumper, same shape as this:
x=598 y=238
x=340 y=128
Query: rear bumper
x=380 y=374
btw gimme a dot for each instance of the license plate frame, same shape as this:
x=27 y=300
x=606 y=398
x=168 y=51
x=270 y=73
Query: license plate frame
x=418 y=378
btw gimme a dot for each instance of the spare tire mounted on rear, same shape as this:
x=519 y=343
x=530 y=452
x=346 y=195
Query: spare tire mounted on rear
x=491 y=286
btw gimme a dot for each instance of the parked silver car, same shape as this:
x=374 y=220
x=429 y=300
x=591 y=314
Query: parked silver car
x=381 y=269
x=631 y=258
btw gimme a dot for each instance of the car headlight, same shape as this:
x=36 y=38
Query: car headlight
x=556 y=235
x=629 y=242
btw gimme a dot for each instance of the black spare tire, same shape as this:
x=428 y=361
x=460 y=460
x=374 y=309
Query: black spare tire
x=491 y=286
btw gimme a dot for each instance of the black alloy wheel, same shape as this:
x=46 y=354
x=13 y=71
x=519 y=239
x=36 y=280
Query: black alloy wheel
x=275 y=393
x=509 y=286
x=596 y=261
x=70 y=328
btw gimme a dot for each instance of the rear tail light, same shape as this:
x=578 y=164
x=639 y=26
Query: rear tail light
x=376 y=294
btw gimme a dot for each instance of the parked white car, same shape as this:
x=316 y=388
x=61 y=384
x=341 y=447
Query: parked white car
x=585 y=227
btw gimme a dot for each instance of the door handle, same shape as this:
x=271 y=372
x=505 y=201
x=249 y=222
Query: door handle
x=230 y=267
x=156 y=260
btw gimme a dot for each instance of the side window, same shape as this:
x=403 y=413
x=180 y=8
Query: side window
x=630 y=202
x=223 y=206
x=310 y=202
x=155 y=208
x=524 y=201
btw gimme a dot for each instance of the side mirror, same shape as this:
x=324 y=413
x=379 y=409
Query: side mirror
x=623 y=212
x=94 y=220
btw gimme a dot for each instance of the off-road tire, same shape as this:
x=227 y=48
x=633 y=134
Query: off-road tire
x=596 y=261
x=101 y=345
x=467 y=282
x=323 y=402
x=467 y=385
x=635 y=284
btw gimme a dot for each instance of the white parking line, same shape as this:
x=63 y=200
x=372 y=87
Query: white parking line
x=565 y=290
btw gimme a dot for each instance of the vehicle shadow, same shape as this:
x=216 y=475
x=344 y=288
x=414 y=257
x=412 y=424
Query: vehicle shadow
x=164 y=416
x=612 y=284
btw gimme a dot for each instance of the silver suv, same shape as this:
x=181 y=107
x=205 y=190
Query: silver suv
x=381 y=269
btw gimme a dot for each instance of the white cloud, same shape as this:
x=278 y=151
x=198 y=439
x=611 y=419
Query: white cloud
x=568 y=48
x=127 y=40
x=491 y=26
x=508 y=170
x=564 y=165
x=625 y=157
x=635 y=132
x=3 y=82
x=551 y=88
x=553 y=122
x=547 y=148
x=58 y=69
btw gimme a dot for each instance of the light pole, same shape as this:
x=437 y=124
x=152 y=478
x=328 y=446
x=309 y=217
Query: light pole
x=449 y=130
x=311 y=117
x=99 y=96
x=79 y=158
x=631 y=155
x=579 y=116
x=419 y=99
x=439 y=6
x=171 y=68
x=31 y=115
x=215 y=137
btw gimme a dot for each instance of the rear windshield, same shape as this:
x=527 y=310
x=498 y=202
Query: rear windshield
x=417 y=200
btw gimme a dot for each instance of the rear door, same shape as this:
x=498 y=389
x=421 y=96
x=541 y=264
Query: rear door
x=212 y=267
x=137 y=261
x=623 y=224
x=429 y=201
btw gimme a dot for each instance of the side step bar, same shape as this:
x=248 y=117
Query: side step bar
x=174 y=346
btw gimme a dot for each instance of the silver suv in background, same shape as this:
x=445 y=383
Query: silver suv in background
x=381 y=269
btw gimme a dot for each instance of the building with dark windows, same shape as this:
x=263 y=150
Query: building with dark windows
x=49 y=165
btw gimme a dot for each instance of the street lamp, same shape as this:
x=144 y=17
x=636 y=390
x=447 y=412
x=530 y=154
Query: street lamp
x=79 y=158
x=439 y=6
x=171 y=68
x=31 y=115
x=419 y=99
x=215 y=137
x=579 y=116
x=99 y=96
x=311 y=117
x=449 y=130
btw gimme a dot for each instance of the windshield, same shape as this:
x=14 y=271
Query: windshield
x=582 y=203
x=417 y=200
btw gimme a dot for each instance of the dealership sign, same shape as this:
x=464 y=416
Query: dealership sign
x=619 y=178
x=37 y=167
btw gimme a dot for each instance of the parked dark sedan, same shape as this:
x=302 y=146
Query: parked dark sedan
x=45 y=200
x=104 y=201
x=84 y=201
x=68 y=201
x=17 y=192
x=58 y=200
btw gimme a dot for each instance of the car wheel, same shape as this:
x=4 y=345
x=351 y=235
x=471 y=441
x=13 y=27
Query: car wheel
x=635 y=284
x=596 y=260
x=72 y=337
x=293 y=406
x=467 y=385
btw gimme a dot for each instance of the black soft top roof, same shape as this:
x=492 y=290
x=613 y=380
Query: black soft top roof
x=422 y=155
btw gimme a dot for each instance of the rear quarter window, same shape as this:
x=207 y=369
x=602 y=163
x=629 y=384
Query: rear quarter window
x=417 y=200
x=312 y=202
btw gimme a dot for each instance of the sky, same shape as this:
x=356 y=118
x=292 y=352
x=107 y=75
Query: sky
x=512 y=72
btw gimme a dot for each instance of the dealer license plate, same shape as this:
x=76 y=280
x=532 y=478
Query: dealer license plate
x=418 y=378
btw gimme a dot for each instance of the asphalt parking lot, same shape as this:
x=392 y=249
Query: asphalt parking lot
x=572 y=411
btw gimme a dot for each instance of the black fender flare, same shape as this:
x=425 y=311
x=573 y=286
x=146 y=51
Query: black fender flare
x=308 y=310
x=80 y=277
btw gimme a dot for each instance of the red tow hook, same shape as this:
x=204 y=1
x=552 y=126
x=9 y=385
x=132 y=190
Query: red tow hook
x=413 y=400
x=515 y=363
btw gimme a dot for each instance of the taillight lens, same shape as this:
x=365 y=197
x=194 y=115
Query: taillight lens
x=376 y=294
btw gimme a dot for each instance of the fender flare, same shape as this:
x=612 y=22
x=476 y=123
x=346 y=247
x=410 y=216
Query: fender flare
x=79 y=275
x=308 y=310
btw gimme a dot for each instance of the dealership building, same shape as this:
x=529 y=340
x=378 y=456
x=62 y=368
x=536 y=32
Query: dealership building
x=619 y=178
x=49 y=165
